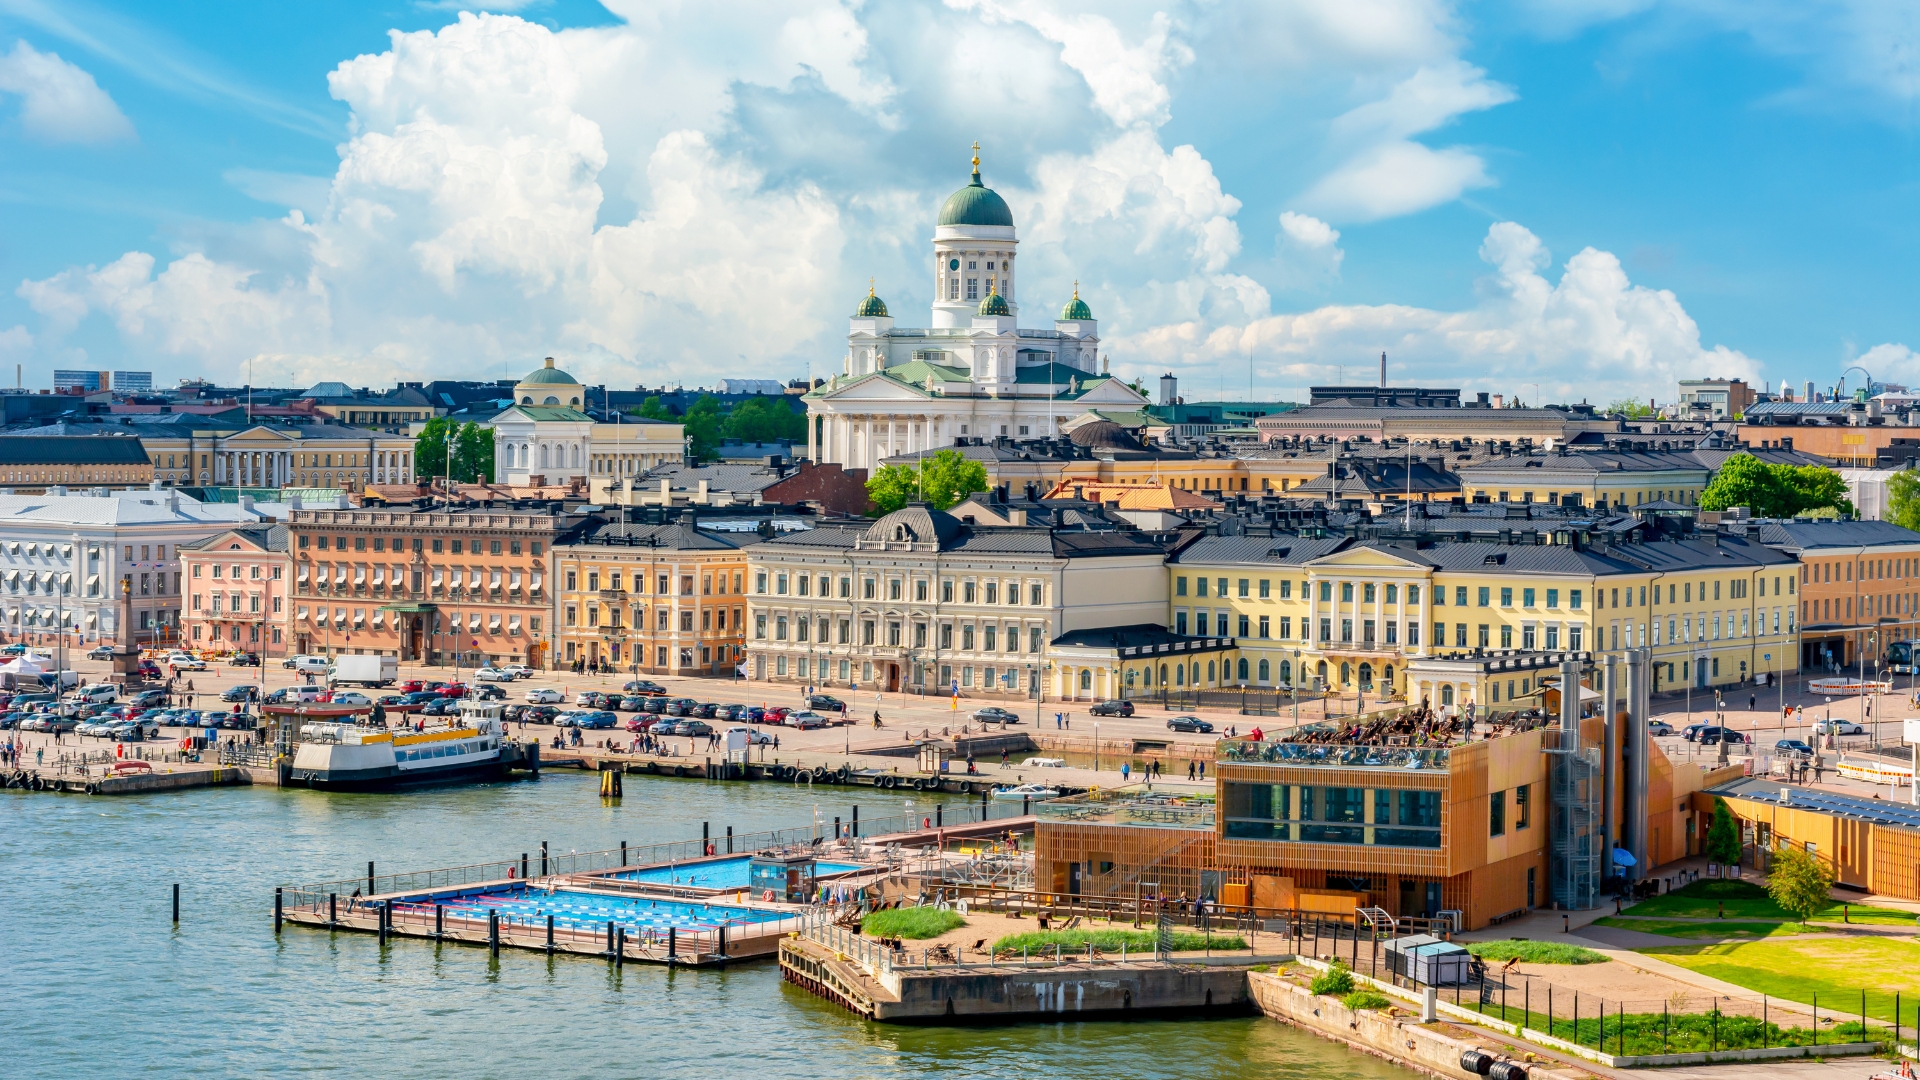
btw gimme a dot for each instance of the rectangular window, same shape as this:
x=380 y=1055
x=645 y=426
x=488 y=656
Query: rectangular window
x=1180 y=586
x=1497 y=814
x=1264 y=588
x=1200 y=586
x=1036 y=594
x=1573 y=599
x=1506 y=597
x=1460 y=596
x=993 y=592
x=1263 y=626
x=1485 y=636
x=1413 y=633
x=1286 y=589
x=1553 y=599
x=1526 y=597
x=1245 y=585
x=1460 y=635
x=1486 y=596
x=1523 y=806
x=1180 y=623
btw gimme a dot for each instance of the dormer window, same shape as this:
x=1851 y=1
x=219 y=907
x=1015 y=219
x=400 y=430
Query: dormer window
x=526 y=401
x=551 y=401
x=900 y=532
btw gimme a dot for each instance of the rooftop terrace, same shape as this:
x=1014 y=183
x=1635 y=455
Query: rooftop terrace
x=1163 y=810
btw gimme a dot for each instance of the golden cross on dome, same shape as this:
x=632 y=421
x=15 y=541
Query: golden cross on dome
x=1076 y=288
x=870 y=287
x=976 y=155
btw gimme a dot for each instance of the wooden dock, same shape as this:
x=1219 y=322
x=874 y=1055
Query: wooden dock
x=885 y=774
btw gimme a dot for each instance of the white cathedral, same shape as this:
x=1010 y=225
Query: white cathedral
x=973 y=373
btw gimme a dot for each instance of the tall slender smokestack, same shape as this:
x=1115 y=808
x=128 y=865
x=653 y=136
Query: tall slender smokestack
x=1383 y=369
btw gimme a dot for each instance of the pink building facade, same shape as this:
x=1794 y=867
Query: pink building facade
x=237 y=585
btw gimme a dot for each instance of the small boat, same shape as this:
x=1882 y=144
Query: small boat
x=358 y=757
x=1026 y=791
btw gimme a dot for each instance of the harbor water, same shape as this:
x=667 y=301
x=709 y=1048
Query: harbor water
x=98 y=981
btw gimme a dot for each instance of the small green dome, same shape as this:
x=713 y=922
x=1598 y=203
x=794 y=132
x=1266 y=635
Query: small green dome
x=551 y=374
x=976 y=204
x=872 y=307
x=995 y=304
x=1076 y=309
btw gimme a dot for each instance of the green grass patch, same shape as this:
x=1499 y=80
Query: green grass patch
x=1534 y=952
x=917 y=923
x=1110 y=941
x=1365 y=999
x=1336 y=980
x=1712 y=928
x=1797 y=968
x=1676 y=1033
x=1745 y=900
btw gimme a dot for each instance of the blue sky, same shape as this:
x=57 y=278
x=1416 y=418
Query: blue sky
x=1558 y=198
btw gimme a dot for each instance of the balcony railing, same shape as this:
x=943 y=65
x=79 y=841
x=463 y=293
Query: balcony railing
x=1332 y=755
x=1153 y=811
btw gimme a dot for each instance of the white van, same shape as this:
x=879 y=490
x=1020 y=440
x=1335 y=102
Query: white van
x=308 y=665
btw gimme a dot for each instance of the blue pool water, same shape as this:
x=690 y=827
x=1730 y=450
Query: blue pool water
x=593 y=911
x=717 y=873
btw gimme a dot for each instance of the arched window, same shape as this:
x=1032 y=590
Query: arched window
x=1263 y=672
x=1180 y=675
x=1086 y=678
x=1243 y=669
x=1366 y=676
x=1446 y=693
x=1131 y=672
x=1386 y=679
x=1163 y=675
x=1286 y=672
x=1320 y=672
x=1346 y=673
x=528 y=400
x=551 y=400
x=1210 y=677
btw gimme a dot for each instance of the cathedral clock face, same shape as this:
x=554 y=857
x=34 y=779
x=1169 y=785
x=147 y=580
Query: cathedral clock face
x=953 y=264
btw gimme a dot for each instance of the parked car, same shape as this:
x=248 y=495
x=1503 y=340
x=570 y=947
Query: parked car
x=1831 y=726
x=600 y=718
x=654 y=706
x=544 y=695
x=1112 y=708
x=440 y=706
x=805 y=721
x=775 y=715
x=679 y=706
x=662 y=727
x=238 y=721
x=825 y=703
x=243 y=692
x=451 y=689
x=491 y=674
x=351 y=697
x=644 y=686
x=392 y=701
x=994 y=714
x=704 y=711
x=538 y=714
x=186 y=662
x=518 y=671
x=1793 y=748
x=98 y=652
x=1712 y=734
x=695 y=728
x=1691 y=732
x=147 y=699
x=147 y=669
x=418 y=697
x=1659 y=727
x=96 y=692
x=754 y=738
x=730 y=712
x=135 y=730
x=306 y=665
x=1190 y=723
x=587 y=699
x=245 y=659
x=489 y=692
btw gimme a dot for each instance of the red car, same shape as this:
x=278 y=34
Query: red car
x=413 y=686
x=776 y=715
x=149 y=670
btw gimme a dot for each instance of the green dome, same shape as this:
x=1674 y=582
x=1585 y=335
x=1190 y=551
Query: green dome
x=994 y=304
x=551 y=374
x=1076 y=309
x=872 y=307
x=976 y=204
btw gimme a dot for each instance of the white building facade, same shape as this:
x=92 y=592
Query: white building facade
x=973 y=371
x=546 y=438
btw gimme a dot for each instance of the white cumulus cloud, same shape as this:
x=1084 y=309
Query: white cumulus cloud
x=58 y=101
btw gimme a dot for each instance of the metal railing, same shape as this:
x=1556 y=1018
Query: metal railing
x=818 y=926
x=1333 y=755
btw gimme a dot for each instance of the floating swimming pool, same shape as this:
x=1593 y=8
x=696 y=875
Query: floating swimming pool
x=729 y=873
x=584 y=910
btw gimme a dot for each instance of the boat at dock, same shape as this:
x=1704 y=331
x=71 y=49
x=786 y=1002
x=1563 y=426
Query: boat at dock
x=1026 y=791
x=358 y=757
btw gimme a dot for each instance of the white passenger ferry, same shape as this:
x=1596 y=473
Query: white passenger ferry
x=356 y=757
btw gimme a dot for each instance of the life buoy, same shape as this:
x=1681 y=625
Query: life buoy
x=767 y=895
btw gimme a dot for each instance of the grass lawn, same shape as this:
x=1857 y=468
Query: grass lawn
x=1745 y=900
x=1836 y=969
x=1713 y=928
x=1534 y=952
x=1676 y=1033
x=1109 y=941
x=917 y=923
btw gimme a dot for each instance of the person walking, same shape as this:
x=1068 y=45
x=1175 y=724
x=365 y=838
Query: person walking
x=1190 y=765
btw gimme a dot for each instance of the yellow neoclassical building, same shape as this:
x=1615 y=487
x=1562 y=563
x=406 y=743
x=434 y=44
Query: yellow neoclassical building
x=1350 y=616
x=1620 y=478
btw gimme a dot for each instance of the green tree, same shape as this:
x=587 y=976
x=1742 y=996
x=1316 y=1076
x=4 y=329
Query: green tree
x=941 y=481
x=1799 y=882
x=765 y=419
x=1775 y=490
x=1629 y=408
x=430 y=448
x=473 y=454
x=703 y=429
x=1723 y=835
x=1903 y=499
x=655 y=409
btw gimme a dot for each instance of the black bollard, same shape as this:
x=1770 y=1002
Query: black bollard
x=856 y=820
x=383 y=913
x=493 y=933
x=523 y=866
x=620 y=946
x=439 y=921
x=706 y=832
x=673 y=944
x=836 y=828
x=609 y=939
x=277 y=900
x=370 y=877
x=729 y=839
x=723 y=941
x=549 y=935
x=333 y=910
x=176 y=903
x=939 y=815
x=623 y=853
x=543 y=858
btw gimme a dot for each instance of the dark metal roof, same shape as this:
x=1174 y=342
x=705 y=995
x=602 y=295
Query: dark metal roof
x=1878 y=811
x=103 y=449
